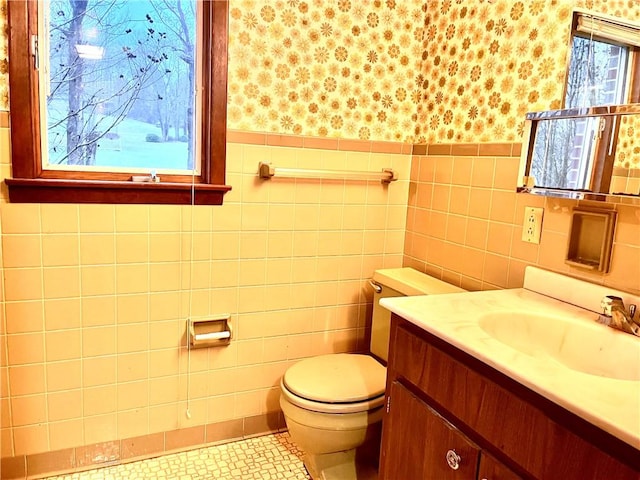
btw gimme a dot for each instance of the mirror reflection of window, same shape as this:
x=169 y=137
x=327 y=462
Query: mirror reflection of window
x=564 y=152
x=603 y=70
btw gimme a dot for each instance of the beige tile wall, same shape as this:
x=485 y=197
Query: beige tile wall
x=5 y=417
x=626 y=180
x=97 y=297
x=465 y=220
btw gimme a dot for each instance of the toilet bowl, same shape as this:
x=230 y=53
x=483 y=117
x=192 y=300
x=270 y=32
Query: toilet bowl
x=335 y=422
x=333 y=404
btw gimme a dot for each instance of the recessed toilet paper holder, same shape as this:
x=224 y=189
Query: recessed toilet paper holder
x=209 y=331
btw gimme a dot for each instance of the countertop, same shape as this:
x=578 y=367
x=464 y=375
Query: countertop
x=611 y=404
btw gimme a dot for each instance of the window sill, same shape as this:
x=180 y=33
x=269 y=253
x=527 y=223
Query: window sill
x=96 y=191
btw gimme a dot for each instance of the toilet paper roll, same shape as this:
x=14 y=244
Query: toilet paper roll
x=212 y=336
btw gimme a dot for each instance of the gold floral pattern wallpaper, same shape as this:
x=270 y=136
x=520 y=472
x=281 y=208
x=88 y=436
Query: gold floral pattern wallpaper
x=394 y=70
x=487 y=64
x=628 y=146
x=363 y=69
x=341 y=68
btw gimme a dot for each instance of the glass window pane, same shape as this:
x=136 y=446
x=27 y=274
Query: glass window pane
x=597 y=73
x=564 y=152
x=120 y=94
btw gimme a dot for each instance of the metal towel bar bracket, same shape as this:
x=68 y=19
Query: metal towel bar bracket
x=266 y=171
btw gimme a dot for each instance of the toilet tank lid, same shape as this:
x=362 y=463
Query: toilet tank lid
x=412 y=282
x=337 y=378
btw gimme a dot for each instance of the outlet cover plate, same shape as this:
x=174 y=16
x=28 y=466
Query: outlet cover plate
x=532 y=224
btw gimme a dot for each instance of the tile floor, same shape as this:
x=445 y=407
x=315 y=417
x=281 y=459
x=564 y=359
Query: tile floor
x=271 y=457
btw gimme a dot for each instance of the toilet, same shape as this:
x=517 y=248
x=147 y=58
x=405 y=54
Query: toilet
x=333 y=404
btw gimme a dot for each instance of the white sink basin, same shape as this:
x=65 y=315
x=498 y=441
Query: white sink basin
x=583 y=346
x=545 y=337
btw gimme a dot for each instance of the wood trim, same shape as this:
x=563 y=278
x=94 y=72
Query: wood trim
x=567 y=60
x=215 y=92
x=634 y=94
x=81 y=187
x=219 y=87
x=38 y=190
x=606 y=156
x=23 y=90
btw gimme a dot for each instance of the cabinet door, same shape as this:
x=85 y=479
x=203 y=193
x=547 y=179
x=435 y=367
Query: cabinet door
x=517 y=425
x=419 y=444
x=491 y=469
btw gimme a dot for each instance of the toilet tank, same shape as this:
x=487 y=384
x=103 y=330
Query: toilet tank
x=398 y=282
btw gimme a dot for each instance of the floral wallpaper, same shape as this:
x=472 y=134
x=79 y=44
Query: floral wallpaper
x=363 y=69
x=395 y=70
x=337 y=68
x=487 y=64
x=628 y=146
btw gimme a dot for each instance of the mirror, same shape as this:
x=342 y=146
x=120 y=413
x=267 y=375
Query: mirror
x=588 y=153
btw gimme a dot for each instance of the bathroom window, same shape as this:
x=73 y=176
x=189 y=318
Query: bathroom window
x=118 y=101
x=604 y=68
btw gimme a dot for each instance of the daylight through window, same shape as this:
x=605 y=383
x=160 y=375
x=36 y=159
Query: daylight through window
x=119 y=86
x=602 y=71
x=108 y=91
x=602 y=67
x=597 y=73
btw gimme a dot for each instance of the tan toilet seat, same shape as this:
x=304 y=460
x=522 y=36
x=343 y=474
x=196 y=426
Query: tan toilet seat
x=336 y=383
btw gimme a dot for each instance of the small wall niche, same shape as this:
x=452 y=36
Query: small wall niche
x=591 y=238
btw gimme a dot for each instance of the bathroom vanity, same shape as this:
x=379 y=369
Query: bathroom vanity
x=471 y=400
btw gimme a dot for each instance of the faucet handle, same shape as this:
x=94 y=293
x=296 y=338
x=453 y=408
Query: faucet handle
x=607 y=303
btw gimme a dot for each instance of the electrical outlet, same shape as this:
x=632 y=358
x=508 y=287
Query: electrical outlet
x=532 y=225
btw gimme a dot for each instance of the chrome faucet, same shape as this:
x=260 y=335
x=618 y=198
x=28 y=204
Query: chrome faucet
x=615 y=315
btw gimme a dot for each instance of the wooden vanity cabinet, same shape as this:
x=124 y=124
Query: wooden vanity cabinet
x=441 y=399
x=429 y=447
x=423 y=440
x=491 y=469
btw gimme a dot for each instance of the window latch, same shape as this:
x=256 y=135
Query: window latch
x=34 y=52
x=601 y=126
x=151 y=178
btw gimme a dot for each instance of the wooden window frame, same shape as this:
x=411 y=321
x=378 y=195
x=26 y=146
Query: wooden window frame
x=32 y=184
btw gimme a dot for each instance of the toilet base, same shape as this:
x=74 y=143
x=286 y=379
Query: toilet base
x=359 y=463
x=336 y=446
x=339 y=466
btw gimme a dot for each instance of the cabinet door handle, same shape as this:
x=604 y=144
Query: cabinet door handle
x=453 y=459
